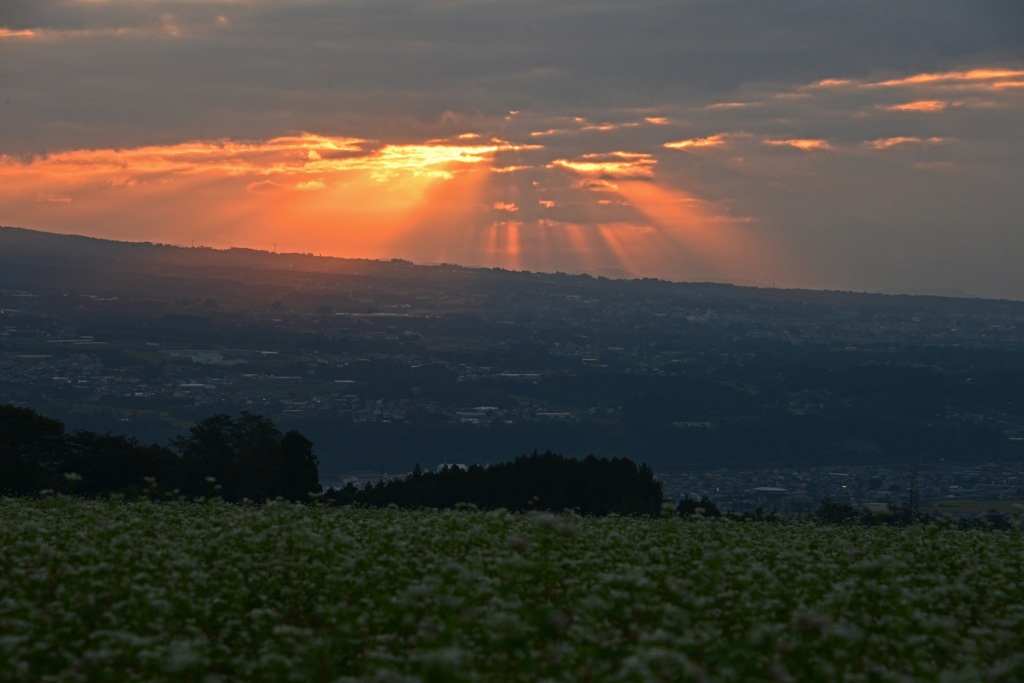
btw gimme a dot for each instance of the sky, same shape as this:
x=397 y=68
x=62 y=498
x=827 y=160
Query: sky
x=875 y=145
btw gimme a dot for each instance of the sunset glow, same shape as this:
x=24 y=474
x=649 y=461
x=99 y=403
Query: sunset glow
x=710 y=141
x=714 y=243
x=625 y=139
x=438 y=201
x=613 y=165
x=927 y=106
x=805 y=144
x=887 y=143
x=316 y=181
x=954 y=77
x=23 y=33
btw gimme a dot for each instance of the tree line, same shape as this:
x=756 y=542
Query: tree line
x=236 y=458
x=544 y=481
x=249 y=458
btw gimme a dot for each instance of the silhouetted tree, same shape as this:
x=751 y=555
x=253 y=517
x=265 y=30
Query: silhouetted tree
x=545 y=481
x=298 y=467
x=35 y=453
x=109 y=464
x=837 y=514
x=688 y=506
x=249 y=458
x=30 y=445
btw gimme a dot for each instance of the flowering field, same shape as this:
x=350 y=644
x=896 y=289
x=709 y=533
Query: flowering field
x=111 y=591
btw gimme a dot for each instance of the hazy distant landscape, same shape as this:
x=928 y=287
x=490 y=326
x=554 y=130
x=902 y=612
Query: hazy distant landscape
x=387 y=364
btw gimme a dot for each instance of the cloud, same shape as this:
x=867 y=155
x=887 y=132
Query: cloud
x=247 y=69
x=924 y=106
x=889 y=143
x=973 y=77
x=621 y=165
x=300 y=155
x=804 y=144
x=710 y=141
x=6 y=33
x=795 y=120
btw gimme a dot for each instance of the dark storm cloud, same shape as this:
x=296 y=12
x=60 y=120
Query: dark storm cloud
x=112 y=69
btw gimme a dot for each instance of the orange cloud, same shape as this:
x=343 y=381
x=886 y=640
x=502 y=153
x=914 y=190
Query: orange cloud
x=805 y=144
x=343 y=195
x=984 y=79
x=975 y=76
x=927 y=106
x=710 y=141
x=17 y=33
x=729 y=105
x=833 y=83
x=301 y=155
x=549 y=131
x=450 y=200
x=888 y=143
x=612 y=165
x=164 y=24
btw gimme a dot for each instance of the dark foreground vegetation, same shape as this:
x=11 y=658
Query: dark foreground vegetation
x=548 y=481
x=101 y=590
x=237 y=458
x=833 y=513
x=247 y=458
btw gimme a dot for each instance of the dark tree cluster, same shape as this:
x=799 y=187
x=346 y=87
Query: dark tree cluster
x=688 y=507
x=547 y=481
x=248 y=457
x=234 y=458
x=37 y=454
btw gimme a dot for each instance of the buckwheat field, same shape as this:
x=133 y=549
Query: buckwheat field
x=207 y=591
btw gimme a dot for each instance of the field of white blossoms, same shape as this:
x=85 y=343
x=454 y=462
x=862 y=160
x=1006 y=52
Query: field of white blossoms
x=142 y=591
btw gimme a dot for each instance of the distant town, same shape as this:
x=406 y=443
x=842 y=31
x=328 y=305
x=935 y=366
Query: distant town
x=758 y=398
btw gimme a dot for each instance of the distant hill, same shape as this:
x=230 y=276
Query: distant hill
x=54 y=261
x=383 y=364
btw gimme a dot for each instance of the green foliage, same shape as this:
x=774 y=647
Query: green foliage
x=107 y=591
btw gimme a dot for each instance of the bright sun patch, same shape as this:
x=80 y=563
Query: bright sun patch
x=448 y=200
